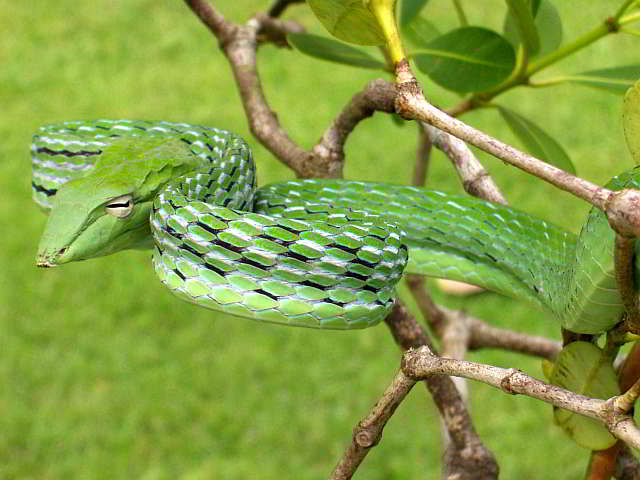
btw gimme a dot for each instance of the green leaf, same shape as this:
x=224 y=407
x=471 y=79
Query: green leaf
x=547 y=22
x=333 y=51
x=523 y=18
x=631 y=121
x=409 y=9
x=615 y=80
x=467 y=59
x=420 y=32
x=537 y=141
x=348 y=20
x=582 y=368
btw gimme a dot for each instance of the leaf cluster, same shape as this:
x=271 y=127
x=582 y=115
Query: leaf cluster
x=474 y=60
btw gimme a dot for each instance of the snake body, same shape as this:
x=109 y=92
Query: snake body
x=315 y=253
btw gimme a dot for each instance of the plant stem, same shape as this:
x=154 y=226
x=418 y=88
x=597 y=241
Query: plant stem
x=384 y=11
x=623 y=8
x=460 y=11
x=570 y=48
x=629 y=19
x=548 y=82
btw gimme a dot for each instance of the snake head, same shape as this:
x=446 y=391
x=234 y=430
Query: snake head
x=108 y=210
x=91 y=218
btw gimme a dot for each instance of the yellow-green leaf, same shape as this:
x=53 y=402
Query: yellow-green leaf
x=523 y=18
x=582 y=368
x=348 y=20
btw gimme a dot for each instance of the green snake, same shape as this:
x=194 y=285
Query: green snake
x=313 y=253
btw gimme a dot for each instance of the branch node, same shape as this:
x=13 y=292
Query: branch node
x=365 y=437
x=612 y=25
x=419 y=363
x=623 y=212
x=505 y=383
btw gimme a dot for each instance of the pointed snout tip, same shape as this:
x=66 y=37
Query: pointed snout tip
x=44 y=264
x=46 y=260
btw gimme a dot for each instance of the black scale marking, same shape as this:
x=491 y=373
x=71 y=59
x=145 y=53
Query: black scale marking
x=47 y=191
x=68 y=153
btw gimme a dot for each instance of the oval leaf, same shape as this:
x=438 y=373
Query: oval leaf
x=348 y=20
x=631 y=121
x=522 y=15
x=467 y=59
x=419 y=32
x=615 y=80
x=409 y=9
x=333 y=51
x=537 y=141
x=581 y=368
x=547 y=22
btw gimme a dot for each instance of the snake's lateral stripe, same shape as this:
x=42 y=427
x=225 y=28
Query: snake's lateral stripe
x=316 y=253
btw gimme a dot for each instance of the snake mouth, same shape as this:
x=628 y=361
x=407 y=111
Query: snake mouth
x=49 y=261
x=45 y=264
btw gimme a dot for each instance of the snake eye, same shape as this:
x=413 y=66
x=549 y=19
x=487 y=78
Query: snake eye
x=120 y=207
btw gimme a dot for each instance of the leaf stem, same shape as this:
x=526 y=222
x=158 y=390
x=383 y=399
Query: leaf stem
x=579 y=43
x=384 y=11
x=623 y=8
x=462 y=16
x=549 y=82
x=521 y=12
x=629 y=19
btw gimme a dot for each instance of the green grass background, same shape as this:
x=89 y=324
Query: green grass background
x=104 y=374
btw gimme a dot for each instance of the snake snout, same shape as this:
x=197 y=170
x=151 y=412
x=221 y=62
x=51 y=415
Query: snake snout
x=45 y=260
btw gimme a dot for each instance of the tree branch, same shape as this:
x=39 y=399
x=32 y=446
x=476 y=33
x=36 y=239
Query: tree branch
x=280 y=6
x=378 y=95
x=423 y=156
x=239 y=43
x=474 y=177
x=273 y=30
x=421 y=364
x=480 y=334
x=624 y=255
x=621 y=207
x=468 y=457
x=368 y=432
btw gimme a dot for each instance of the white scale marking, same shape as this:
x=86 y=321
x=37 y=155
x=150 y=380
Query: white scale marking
x=58 y=141
x=59 y=165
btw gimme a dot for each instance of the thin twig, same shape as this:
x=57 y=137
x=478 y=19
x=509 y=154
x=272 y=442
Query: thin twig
x=484 y=335
x=423 y=157
x=280 y=6
x=624 y=255
x=421 y=364
x=239 y=43
x=474 y=177
x=481 y=334
x=604 y=462
x=622 y=207
x=275 y=31
x=368 y=432
x=378 y=95
x=469 y=458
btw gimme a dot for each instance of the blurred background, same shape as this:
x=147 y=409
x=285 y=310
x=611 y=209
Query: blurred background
x=104 y=374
